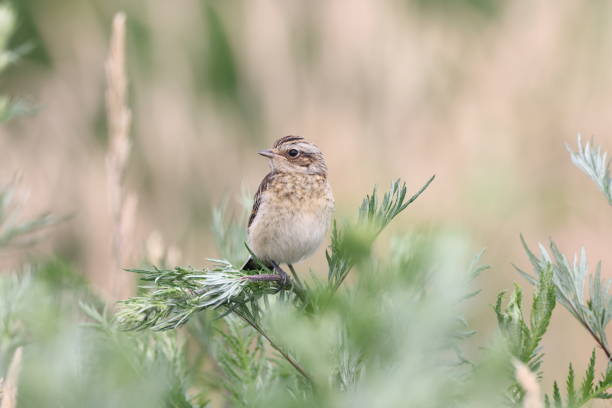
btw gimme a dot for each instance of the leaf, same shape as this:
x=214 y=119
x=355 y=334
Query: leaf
x=557 y=396
x=570 y=384
x=593 y=312
x=350 y=242
x=586 y=388
x=595 y=164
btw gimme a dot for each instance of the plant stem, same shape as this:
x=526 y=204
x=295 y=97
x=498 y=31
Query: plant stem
x=277 y=348
x=264 y=277
x=299 y=292
x=295 y=276
x=599 y=341
x=342 y=278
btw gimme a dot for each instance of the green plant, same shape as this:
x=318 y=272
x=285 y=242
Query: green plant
x=330 y=344
x=593 y=309
x=595 y=164
x=8 y=20
x=73 y=354
x=342 y=343
x=13 y=230
x=392 y=337
x=173 y=295
x=523 y=337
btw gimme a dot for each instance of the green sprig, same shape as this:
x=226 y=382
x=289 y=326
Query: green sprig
x=524 y=337
x=587 y=392
x=569 y=280
x=350 y=242
x=171 y=296
x=595 y=164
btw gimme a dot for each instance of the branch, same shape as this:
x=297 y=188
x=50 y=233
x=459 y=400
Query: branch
x=599 y=342
x=277 y=348
x=373 y=218
x=569 y=279
x=595 y=164
x=171 y=296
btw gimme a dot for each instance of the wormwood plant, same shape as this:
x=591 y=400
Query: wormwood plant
x=15 y=231
x=333 y=347
x=341 y=347
x=392 y=337
x=42 y=308
x=556 y=279
x=9 y=108
x=172 y=296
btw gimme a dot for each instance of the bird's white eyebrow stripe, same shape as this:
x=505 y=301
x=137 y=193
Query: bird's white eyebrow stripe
x=304 y=147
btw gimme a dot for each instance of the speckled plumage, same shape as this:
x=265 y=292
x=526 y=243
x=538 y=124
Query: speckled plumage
x=293 y=206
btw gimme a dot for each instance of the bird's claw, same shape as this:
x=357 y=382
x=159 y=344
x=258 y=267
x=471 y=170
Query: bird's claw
x=284 y=282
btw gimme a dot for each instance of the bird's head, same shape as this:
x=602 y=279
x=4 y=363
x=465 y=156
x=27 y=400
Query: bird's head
x=295 y=154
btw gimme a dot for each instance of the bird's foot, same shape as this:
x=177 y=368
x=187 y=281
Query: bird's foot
x=284 y=282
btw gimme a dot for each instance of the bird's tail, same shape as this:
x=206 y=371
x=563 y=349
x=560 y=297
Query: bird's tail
x=252 y=265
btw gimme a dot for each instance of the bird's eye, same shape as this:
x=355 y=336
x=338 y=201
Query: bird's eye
x=293 y=152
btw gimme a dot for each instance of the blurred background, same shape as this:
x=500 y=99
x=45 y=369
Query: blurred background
x=482 y=93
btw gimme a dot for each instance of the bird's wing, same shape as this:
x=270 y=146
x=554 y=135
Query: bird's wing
x=257 y=199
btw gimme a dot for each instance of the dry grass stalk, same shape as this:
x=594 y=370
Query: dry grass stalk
x=9 y=389
x=122 y=206
x=157 y=253
x=529 y=382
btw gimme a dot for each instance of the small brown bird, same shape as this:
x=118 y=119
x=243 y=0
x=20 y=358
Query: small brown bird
x=293 y=205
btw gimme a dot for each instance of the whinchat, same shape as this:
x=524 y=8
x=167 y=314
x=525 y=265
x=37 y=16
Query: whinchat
x=293 y=205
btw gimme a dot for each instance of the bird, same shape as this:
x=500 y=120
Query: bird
x=292 y=208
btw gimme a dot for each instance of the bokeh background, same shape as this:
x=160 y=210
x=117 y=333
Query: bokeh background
x=482 y=93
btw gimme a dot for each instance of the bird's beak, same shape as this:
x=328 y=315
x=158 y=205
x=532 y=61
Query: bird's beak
x=267 y=153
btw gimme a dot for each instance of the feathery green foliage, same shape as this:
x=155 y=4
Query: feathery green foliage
x=595 y=164
x=241 y=355
x=13 y=289
x=569 y=280
x=13 y=230
x=68 y=362
x=171 y=296
x=336 y=344
x=12 y=333
x=587 y=391
x=524 y=338
x=349 y=242
x=89 y=364
x=151 y=351
x=8 y=21
x=393 y=337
